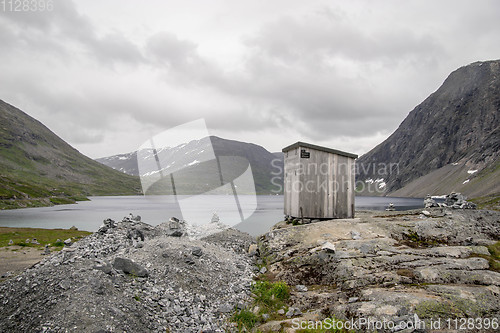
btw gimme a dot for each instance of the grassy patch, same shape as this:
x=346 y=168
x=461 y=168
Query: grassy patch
x=493 y=258
x=453 y=307
x=406 y=272
x=495 y=250
x=269 y=297
x=431 y=309
x=61 y=201
x=43 y=236
x=294 y=222
x=245 y=319
x=491 y=202
x=413 y=239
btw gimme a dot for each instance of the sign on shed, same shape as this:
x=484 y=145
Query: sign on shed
x=319 y=182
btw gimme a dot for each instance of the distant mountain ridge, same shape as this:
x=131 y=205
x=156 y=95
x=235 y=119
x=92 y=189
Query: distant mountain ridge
x=267 y=167
x=37 y=168
x=450 y=142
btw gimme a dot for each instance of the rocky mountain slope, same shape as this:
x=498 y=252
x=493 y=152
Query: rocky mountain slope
x=450 y=142
x=39 y=168
x=265 y=165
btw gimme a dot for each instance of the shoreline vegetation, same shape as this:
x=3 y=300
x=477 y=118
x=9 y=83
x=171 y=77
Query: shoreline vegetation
x=42 y=236
x=40 y=202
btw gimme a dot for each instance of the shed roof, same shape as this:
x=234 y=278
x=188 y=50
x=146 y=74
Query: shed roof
x=320 y=148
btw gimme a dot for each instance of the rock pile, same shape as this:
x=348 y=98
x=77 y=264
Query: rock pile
x=453 y=200
x=457 y=200
x=130 y=276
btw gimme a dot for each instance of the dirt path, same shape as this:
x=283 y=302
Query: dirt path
x=15 y=259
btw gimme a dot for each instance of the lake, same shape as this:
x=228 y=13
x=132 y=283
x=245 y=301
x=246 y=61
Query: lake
x=259 y=213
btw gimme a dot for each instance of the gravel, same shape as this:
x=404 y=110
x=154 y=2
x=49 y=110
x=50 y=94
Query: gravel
x=130 y=276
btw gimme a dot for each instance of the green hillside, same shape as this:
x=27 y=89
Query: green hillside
x=37 y=168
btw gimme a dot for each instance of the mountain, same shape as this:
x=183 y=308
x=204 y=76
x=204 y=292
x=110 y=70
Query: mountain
x=126 y=163
x=193 y=176
x=37 y=168
x=450 y=142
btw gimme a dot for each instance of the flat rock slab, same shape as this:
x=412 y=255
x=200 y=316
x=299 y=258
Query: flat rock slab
x=398 y=266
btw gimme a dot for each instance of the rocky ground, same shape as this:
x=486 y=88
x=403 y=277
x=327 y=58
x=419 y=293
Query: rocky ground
x=132 y=277
x=395 y=266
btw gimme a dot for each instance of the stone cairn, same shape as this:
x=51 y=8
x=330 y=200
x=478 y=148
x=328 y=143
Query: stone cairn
x=453 y=200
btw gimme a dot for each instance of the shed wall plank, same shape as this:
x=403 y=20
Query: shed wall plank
x=321 y=186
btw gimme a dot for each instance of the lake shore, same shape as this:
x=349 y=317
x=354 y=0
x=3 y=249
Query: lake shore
x=88 y=215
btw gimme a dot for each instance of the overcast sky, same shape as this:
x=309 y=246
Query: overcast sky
x=106 y=75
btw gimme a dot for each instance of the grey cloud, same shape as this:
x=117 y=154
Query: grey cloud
x=65 y=31
x=114 y=47
x=324 y=34
x=292 y=73
x=320 y=74
x=167 y=49
x=294 y=67
x=180 y=61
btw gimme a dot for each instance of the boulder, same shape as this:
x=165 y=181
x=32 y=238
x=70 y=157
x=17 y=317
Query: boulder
x=301 y=288
x=290 y=313
x=176 y=227
x=253 y=250
x=129 y=267
x=189 y=261
x=135 y=234
x=107 y=224
x=197 y=252
x=355 y=235
x=328 y=247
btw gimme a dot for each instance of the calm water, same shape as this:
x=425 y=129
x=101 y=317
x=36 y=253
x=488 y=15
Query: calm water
x=88 y=215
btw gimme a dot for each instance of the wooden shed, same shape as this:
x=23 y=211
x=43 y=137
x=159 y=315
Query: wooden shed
x=319 y=182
